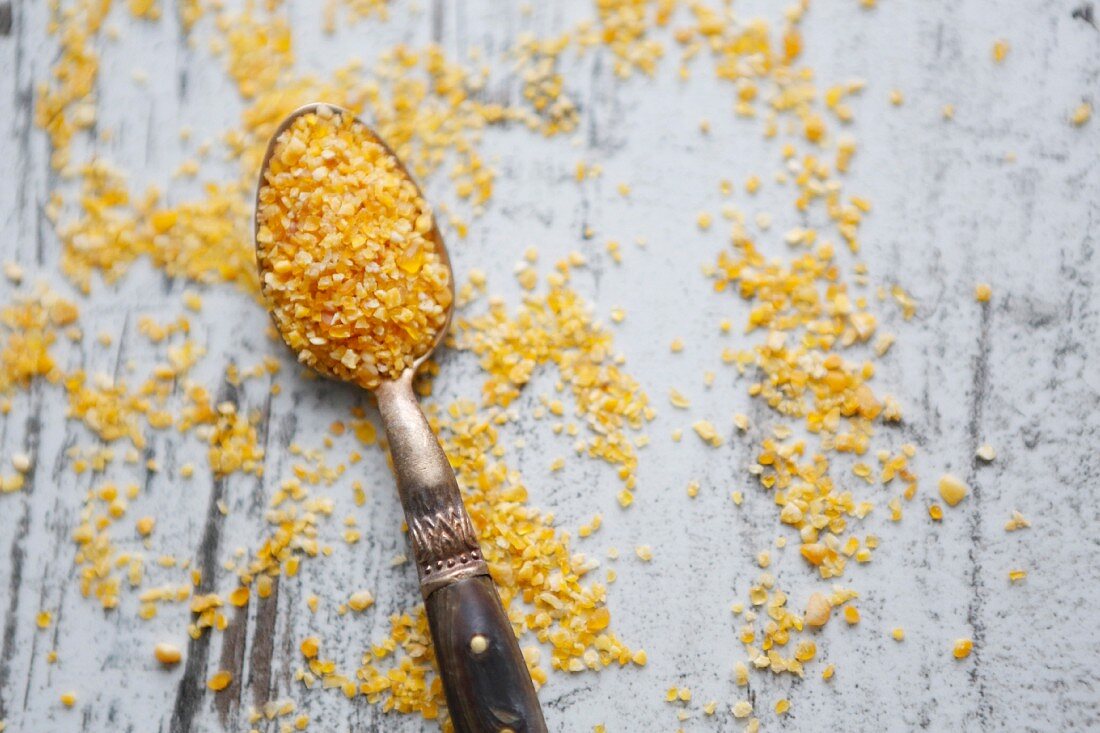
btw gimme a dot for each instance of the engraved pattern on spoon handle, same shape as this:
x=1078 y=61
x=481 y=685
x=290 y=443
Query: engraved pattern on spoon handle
x=444 y=543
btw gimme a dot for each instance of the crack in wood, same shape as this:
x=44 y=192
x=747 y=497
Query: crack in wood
x=191 y=686
x=17 y=552
x=234 y=639
x=974 y=609
x=263 y=646
x=189 y=693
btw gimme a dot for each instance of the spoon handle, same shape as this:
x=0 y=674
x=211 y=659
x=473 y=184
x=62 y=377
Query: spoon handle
x=485 y=678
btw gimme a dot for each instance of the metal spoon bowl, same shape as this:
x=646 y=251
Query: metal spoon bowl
x=436 y=237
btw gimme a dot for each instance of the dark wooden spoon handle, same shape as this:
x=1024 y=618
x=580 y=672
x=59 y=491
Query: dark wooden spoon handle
x=484 y=676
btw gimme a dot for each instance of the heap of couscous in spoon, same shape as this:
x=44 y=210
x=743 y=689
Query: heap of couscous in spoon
x=357 y=281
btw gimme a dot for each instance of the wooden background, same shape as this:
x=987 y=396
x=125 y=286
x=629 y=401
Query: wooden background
x=1022 y=373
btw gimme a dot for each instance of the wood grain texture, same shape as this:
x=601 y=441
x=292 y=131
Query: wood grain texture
x=1020 y=373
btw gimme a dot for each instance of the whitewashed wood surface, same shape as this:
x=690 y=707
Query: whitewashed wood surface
x=1022 y=374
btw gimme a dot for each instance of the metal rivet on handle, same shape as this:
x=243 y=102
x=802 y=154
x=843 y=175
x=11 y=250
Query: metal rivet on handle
x=478 y=644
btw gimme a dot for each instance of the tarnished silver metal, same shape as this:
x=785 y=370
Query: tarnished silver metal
x=444 y=543
x=443 y=540
x=487 y=685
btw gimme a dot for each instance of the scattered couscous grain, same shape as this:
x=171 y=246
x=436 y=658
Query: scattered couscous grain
x=705 y=429
x=145 y=526
x=219 y=681
x=167 y=654
x=805 y=311
x=962 y=648
x=361 y=601
x=678 y=400
x=952 y=489
x=1081 y=114
x=818 y=610
x=21 y=462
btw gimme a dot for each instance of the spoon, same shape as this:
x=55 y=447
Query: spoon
x=485 y=678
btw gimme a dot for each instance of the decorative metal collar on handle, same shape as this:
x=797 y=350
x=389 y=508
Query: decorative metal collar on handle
x=444 y=542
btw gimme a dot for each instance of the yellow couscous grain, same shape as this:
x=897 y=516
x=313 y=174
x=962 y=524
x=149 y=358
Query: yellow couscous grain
x=357 y=282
